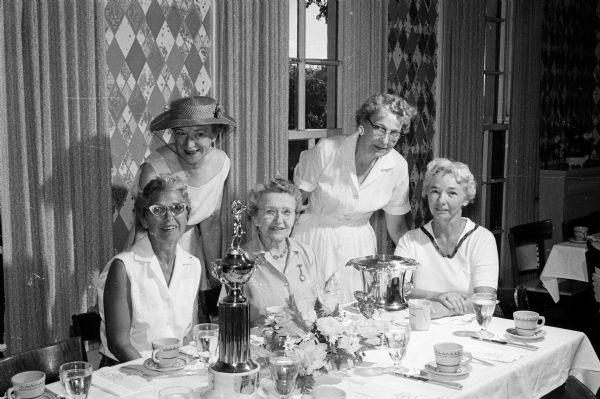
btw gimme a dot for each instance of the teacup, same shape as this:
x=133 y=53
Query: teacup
x=449 y=356
x=527 y=323
x=580 y=233
x=165 y=351
x=28 y=384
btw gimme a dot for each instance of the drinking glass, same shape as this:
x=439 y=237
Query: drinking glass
x=176 y=393
x=206 y=337
x=484 y=305
x=76 y=378
x=284 y=370
x=396 y=341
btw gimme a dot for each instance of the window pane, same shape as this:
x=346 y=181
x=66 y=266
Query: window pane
x=492 y=45
x=295 y=147
x=496 y=198
x=316 y=29
x=293 y=93
x=320 y=96
x=490 y=98
x=293 y=28
x=496 y=152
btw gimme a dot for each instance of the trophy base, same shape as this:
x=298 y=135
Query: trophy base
x=232 y=385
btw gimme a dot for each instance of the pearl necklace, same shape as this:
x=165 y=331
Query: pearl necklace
x=281 y=255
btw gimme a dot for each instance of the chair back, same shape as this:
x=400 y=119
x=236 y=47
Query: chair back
x=528 y=250
x=86 y=325
x=592 y=260
x=510 y=300
x=575 y=389
x=47 y=359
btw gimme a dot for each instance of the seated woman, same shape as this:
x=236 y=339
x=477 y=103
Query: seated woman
x=285 y=273
x=149 y=290
x=457 y=256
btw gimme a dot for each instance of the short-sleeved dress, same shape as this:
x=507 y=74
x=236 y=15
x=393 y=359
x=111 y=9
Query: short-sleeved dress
x=204 y=202
x=474 y=263
x=336 y=222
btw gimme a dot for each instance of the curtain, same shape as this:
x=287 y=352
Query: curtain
x=363 y=45
x=54 y=164
x=252 y=84
x=523 y=167
x=461 y=84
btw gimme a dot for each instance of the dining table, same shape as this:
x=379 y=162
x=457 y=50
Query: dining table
x=498 y=369
x=566 y=261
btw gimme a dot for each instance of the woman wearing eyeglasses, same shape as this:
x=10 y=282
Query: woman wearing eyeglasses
x=285 y=273
x=195 y=123
x=346 y=179
x=149 y=291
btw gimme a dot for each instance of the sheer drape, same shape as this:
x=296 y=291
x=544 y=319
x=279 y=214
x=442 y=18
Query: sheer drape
x=363 y=45
x=54 y=164
x=523 y=166
x=253 y=86
x=461 y=84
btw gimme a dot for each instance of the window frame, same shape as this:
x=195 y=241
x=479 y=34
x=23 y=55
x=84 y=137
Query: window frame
x=301 y=133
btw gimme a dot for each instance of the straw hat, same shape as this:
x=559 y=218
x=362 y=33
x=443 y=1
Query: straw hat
x=191 y=111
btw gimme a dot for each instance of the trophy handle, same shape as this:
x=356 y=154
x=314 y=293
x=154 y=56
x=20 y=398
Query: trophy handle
x=214 y=270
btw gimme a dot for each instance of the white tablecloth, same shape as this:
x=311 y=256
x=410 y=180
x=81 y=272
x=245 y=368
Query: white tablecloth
x=567 y=261
x=531 y=375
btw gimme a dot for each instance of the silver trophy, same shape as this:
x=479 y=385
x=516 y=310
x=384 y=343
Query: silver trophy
x=234 y=374
x=387 y=280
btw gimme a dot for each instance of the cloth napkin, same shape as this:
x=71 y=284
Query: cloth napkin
x=114 y=382
x=497 y=356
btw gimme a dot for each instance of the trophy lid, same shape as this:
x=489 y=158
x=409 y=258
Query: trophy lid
x=382 y=262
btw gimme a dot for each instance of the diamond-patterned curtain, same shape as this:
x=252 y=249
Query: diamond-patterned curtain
x=54 y=164
x=253 y=86
x=363 y=45
x=462 y=26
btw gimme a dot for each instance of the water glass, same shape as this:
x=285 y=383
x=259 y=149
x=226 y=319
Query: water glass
x=396 y=341
x=284 y=370
x=76 y=378
x=206 y=337
x=484 y=305
x=176 y=393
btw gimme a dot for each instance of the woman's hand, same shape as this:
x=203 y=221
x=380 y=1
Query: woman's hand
x=453 y=301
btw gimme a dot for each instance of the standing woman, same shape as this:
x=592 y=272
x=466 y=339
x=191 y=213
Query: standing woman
x=195 y=123
x=346 y=179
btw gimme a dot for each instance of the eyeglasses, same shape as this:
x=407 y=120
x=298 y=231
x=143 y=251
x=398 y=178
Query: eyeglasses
x=381 y=131
x=161 y=210
x=272 y=213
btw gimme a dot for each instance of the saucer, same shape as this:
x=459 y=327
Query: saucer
x=431 y=368
x=576 y=241
x=178 y=365
x=512 y=332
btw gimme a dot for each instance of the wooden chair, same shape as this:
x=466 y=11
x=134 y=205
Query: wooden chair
x=47 y=359
x=510 y=300
x=528 y=255
x=571 y=389
x=592 y=258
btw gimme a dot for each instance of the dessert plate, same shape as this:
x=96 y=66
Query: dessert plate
x=431 y=368
x=576 y=241
x=177 y=365
x=512 y=332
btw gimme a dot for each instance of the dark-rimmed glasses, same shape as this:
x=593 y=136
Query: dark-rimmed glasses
x=381 y=131
x=161 y=210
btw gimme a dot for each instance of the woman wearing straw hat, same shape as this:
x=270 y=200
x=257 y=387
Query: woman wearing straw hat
x=195 y=123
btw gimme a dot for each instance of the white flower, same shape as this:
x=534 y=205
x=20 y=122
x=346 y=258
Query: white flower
x=311 y=356
x=330 y=327
x=349 y=342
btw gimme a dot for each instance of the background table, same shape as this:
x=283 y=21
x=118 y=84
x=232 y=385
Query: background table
x=532 y=375
x=566 y=260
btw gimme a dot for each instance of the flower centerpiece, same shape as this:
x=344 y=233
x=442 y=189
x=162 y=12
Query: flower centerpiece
x=332 y=340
